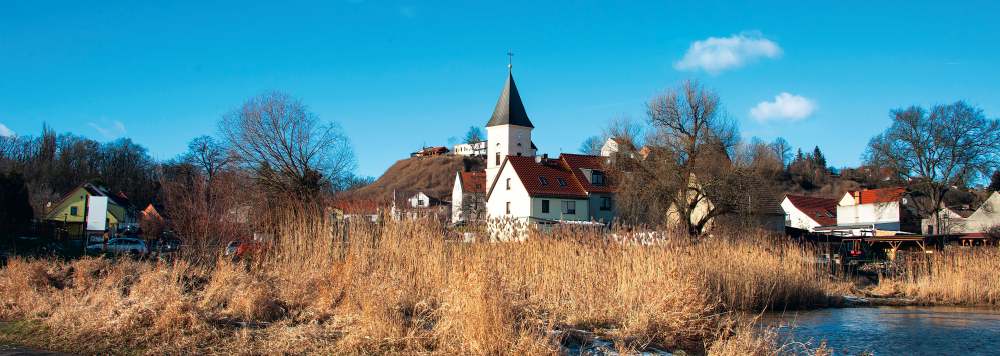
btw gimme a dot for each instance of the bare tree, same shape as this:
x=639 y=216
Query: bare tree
x=475 y=134
x=289 y=147
x=782 y=149
x=937 y=150
x=591 y=145
x=208 y=155
x=625 y=131
x=688 y=167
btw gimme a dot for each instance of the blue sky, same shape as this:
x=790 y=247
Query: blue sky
x=398 y=75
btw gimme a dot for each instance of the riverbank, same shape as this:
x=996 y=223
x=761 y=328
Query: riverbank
x=406 y=291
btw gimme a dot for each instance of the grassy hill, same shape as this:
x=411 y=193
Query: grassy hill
x=433 y=175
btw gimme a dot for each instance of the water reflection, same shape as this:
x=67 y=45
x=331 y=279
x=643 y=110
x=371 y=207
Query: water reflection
x=895 y=330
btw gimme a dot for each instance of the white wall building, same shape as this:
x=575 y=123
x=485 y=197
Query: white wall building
x=868 y=212
x=468 y=197
x=965 y=222
x=809 y=213
x=473 y=149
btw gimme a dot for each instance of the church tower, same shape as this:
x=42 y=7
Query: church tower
x=509 y=130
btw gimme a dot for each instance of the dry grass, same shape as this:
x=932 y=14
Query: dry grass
x=960 y=277
x=400 y=288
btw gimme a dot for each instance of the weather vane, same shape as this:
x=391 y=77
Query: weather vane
x=510 y=59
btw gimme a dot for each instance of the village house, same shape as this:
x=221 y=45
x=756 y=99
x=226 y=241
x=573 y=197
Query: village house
x=965 y=221
x=752 y=207
x=412 y=205
x=875 y=212
x=615 y=145
x=468 y=197
x=70 y=212
x=546 y=191
x=430 y=151
x=471 y=149
x=808 y=213
x=360 y=210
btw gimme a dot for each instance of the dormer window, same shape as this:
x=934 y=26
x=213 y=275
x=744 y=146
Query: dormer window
x=543 y=180
x=597 y=178
x=562 y=182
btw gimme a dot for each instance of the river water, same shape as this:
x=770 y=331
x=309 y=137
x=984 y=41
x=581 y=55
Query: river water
x=894 y=330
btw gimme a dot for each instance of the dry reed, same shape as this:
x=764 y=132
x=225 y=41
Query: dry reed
x=968 y=277
x=402 y=288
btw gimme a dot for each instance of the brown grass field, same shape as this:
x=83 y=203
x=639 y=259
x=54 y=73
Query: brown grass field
x=401 y=288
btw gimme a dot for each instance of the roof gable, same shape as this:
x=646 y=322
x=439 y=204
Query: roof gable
x=509 y=109
x=473 y=182
x=821 y=210
x=543 y=179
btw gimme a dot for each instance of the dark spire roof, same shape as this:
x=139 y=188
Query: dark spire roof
x=510 y=109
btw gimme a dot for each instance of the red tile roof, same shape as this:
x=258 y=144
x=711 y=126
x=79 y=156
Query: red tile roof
x=473 y=182
x=883 y=195
x=821 y=210
x=531 y=174
x=358 y=206
x=576 y=164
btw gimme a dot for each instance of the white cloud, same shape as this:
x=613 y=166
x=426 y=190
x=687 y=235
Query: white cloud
x=6 y=131
x=716 y=54
x=110 y=129
x=785 y=107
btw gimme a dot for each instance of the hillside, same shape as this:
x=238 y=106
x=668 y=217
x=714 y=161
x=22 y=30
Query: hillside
x=433 y=175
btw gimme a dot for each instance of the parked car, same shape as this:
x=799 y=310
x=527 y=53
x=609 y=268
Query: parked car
x=121 y=245
x=239 y=249
x=166 y=245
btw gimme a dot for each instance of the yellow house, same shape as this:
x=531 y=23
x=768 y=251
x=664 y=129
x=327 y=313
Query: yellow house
x=69 y=211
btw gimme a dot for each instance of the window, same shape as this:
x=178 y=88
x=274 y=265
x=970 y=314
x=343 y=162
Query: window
x=73 y=210
x=519 y=154
x=508 y=183
x=562 y=182
x=597 y=178
x=543 y=180
x=569 y=207
x=605 y=203
x=545 y=206
x=508 y=208
x=498 y=158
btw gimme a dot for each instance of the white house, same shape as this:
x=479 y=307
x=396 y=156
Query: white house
x=809 y=213
x=885 y=211
x=987 y=216
x=421 y=200
x=471 y=149
x=468 y=197
x=547 y=191
x=614 y=145
x=956 y=221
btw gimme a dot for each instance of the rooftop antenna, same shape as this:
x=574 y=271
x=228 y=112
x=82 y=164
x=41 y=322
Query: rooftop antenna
x=510 y=60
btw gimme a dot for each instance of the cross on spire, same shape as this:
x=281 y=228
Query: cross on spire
x=510 y=59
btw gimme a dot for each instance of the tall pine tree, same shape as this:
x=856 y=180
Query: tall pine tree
x=818 y=158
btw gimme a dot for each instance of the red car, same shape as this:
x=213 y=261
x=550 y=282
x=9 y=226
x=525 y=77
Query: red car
x=239 y=249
